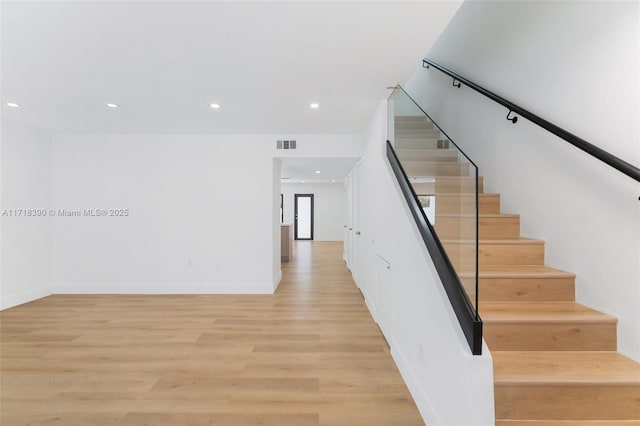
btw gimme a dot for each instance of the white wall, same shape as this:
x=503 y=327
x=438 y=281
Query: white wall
x=276 y=258
x=577 y=65
x=449 y=385
x=26 y=241
x=203 y=211
x=328 y=204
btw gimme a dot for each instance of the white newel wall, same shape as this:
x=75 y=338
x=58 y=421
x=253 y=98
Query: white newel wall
x=275 y=223
x=577 y=65
x=405 y=296
x=26 y=241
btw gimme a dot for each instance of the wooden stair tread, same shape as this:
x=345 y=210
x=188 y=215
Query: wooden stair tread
x=417 y=133
x=466 y=194
x=495 y=312
x=472 y=215
x=429 y=162
x=567 y=423
x=566 y=367
x=519 y=271
x=419 y=138
x=445 y=179
x=457 y=178
x=511 y=241
x=431 y=150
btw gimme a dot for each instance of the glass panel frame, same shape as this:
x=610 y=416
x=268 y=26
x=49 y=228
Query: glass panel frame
x=445 y=181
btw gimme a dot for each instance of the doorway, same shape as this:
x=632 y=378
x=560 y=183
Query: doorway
x=303 y=216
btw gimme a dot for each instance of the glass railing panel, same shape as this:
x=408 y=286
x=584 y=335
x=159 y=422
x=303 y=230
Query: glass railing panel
x=445 y=182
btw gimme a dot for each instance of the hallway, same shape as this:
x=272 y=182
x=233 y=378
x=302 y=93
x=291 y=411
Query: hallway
x=308 y=355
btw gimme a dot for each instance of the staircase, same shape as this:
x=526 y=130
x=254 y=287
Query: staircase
x=555 y=361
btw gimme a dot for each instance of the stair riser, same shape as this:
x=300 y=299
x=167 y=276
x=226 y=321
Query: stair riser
x=489 y=227
x=567 y=402
x=550 y=336
x=440 y=169
x=464 y=204
x=525 y=289
x=424 y=188
x=496 y=254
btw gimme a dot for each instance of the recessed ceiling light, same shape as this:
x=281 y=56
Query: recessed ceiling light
x=112 y=105
x=12 y=105
x=317 y=172
x=215 y=106
x=314 y=106
x=302 y=181
x=333 y=180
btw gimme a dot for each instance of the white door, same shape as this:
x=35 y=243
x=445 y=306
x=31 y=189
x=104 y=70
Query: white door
x=355 y=222
x=303 y=216
x=348 y=194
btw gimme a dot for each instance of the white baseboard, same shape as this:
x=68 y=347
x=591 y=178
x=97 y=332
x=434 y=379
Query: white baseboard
x=163 y=288
x=410 y=379
x=372 y=307
x=24 y=297
x=276 y=281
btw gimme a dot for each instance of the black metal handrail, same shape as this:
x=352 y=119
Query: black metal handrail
x=468 y=317
x=599 y=153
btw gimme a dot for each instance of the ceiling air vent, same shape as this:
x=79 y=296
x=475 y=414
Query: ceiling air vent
x=286 y=144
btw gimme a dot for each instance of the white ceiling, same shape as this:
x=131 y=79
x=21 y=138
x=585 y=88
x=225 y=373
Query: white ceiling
x=164 y=62
x=303 y=170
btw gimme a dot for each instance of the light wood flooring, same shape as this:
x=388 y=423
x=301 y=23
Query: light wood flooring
x=308 y=355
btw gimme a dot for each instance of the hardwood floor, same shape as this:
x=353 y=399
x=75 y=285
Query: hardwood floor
x=308 y=355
